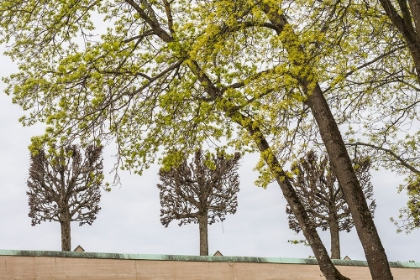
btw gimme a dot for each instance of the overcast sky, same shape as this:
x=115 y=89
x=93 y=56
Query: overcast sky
x=129 y=219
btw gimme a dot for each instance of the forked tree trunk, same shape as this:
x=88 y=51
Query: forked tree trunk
x=204 y=244
x=342 y=167
x=335 y=239
x=65 y=235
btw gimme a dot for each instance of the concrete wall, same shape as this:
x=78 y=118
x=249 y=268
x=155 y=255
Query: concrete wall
x=91 y=266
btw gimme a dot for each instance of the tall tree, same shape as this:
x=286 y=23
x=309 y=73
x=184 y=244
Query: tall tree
x=299 y=56
x=174 y=74
x=202 y=192
x=317 y=186
x=393 y=143
x=405 y=16
x=389 y=134
x=64 y=187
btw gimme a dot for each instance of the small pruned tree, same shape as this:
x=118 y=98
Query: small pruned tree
x=64 y=186
x=202 y=192
x=318 y=187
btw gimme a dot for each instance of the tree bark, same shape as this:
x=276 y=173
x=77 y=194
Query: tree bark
x=409 y=32
x=335 y=239
x=415 y=12
x=415 y=50
x=342 y=167
x=327 y=267
x=204 y=243
x=336 y=149
x=65 y=235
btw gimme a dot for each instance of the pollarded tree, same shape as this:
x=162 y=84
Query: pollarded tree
x=202 y=192
x=65 y=187
x=323 y=198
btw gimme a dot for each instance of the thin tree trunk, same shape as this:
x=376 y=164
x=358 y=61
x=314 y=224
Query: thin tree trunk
x=342 y=167
x=335 y=239
x=327 y=267
x=204 y=244
x=65 y=235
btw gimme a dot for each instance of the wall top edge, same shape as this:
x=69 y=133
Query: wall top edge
x=152 y=257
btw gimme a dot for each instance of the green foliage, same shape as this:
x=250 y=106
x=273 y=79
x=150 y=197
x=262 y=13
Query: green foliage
x=175 y=76
x=296 y=242
x=409 y=217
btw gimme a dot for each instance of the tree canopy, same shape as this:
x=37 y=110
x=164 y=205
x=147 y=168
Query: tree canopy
x=323 y=198
x=254 y=75
x=64 y=186
x=147 y=80
x=203 y=191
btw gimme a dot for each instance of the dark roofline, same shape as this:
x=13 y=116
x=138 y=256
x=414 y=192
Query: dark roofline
x=150 y=257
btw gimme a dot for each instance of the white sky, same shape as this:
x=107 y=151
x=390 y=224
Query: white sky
x=129 y=219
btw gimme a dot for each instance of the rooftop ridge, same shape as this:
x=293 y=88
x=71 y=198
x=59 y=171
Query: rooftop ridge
x=155 y=257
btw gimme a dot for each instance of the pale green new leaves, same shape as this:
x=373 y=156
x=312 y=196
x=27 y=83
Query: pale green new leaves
x=173 y=76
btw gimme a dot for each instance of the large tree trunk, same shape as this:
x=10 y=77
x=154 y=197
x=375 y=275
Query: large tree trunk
x=204 y=244
x=410 y=33
x=341 y=163
x=335 y=239
x=415 y=13
x=415 y=50
x=65 y=235
x=342 y=167
x=327 y=267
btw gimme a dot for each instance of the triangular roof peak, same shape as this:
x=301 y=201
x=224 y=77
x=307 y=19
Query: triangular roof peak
x=79 y=249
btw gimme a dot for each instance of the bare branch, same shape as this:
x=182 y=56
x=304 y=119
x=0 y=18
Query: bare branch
x=65 y=187
x=389 y=152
